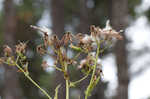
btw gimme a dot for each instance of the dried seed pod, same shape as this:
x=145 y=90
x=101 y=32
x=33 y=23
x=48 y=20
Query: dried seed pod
x=92 y=28
x=67 y=38
x=7 y=50
x=56 y=42
x=20 y=48
x=46 y=39
x=40 y=50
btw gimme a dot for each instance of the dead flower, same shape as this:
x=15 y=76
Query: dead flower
x=40 y=50
x=44 y=65
x=66 y=38
x=20 y=48
x=7 y=50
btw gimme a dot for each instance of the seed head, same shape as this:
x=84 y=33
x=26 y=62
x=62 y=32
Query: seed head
x=40 y=50
x=20 y=48
x=7 y=50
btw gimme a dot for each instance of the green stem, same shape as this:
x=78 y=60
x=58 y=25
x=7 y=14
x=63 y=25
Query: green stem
x=94 y=70
x=67 y=89
x=78 y=54
x=57 y=68
x=67 y=84
x=44 y=92
x=78 y=81
x=86 y=96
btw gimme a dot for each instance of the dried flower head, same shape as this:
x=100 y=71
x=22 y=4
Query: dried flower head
x=44 y=30
x=87 y=64
x=46 y=39
x=107 y=33
x=40 y=50
x=66 y=39
x=110 y=32
x=20 y=48
x=82 y=64
x=56 y=42
x=44 y=65
x=7 y=50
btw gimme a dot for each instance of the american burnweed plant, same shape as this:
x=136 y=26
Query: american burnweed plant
x=90 y=45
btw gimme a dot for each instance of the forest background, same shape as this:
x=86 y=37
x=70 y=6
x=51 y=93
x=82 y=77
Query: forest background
x=126 y=65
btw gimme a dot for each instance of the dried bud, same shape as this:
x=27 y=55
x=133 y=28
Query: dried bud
x=40 y=50
x=111 y=33
x=70 y=61
x=79 y=36
x=82 y=63
x=86 y=39
x=92 y=28
x=7 y=50
x=20 y=48
x=46 y=39
x=44 y=65
x=66 y=38
x=56 y=42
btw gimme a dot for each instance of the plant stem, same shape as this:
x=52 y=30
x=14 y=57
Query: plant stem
x=67 y=89
x=67 y=84
x=86 y=96
x=44 y=92
x=93 y=73
x=64 y=67
x=78 y=81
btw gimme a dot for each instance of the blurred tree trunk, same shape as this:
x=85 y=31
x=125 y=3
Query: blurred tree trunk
x=11 y=88
x=84 y=19
x=57 y=14
x=119 y=14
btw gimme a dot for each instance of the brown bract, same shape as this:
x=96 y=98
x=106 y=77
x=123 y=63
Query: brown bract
x=20 y=48
x=40 y=50
x=46 y=39
x=7 y=50
x=66 y=39
x=55 y=42
x=112 y=34
x=105 y=33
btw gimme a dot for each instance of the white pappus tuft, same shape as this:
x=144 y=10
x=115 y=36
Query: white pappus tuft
x=86 y=38
x=42 y=29
x=108 y=26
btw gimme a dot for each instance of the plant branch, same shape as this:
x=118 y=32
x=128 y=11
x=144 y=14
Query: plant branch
x=26 y=74
x=78 y=81
x=87 y=92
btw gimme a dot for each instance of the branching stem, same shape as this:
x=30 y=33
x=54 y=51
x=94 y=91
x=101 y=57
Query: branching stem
x=93 y=73
x=44 y=92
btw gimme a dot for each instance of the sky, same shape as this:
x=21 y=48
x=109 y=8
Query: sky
x=139 y=34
